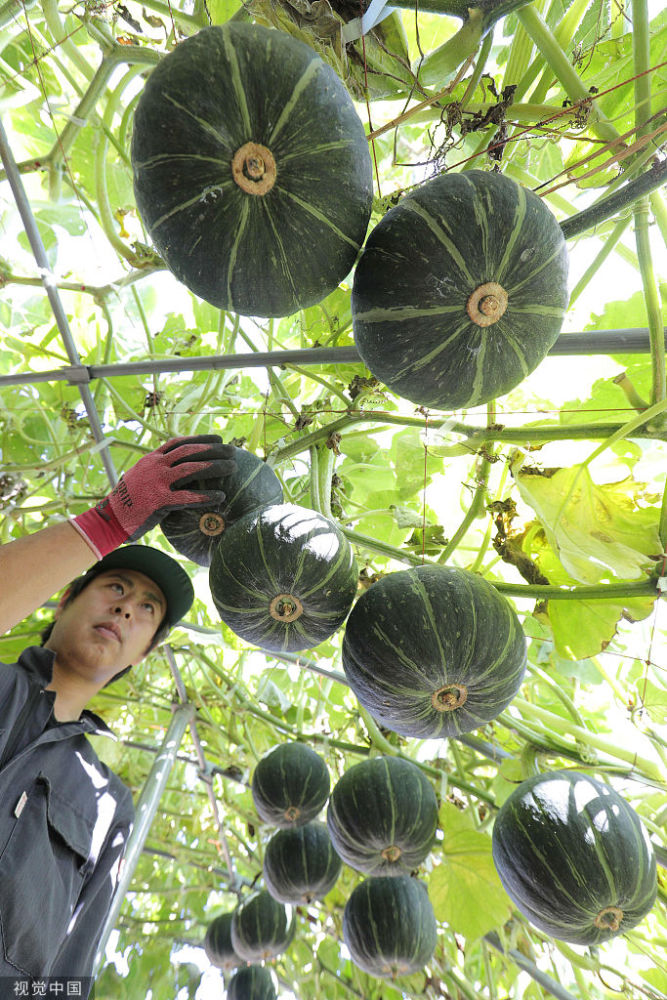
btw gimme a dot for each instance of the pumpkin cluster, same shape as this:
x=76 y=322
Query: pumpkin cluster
x=430 y=652
x=252 y=175
x=381 y=821
x=282 y=577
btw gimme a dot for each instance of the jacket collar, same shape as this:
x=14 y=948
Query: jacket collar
x=37 y=662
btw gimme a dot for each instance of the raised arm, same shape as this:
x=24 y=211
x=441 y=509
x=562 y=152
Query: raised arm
x=34 y=568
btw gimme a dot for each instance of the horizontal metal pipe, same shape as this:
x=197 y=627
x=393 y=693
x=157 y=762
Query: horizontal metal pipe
x=629 y=341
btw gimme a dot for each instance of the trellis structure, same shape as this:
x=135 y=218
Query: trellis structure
x=626 y=341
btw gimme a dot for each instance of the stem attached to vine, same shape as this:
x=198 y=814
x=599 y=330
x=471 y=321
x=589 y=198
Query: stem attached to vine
x=119 y=54
x=475 y=437
x=561 y=726
x=476 y=508
x=566 y=74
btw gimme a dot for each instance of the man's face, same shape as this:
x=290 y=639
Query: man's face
x=109 y=625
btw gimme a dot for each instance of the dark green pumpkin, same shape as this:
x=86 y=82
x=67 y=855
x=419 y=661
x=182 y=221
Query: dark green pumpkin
x=218 y=943
x=574 y=857
x=433 y=651
x=196 y=533
x=290 y=785
x=389 y=926
x=255 y=982
x=251 y=170
x=382 y=816
x=261 y=927
x=461 y=290
x=283 y=577
x=301 y=865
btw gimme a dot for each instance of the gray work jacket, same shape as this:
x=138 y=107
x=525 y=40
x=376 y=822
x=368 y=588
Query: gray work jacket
x=64 y=821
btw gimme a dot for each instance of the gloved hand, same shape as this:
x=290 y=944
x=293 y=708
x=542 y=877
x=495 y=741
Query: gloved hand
x=154 y=487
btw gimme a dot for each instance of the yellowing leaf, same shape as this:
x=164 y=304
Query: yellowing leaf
x=464 y=888
x=600 y=532
x=584 y=627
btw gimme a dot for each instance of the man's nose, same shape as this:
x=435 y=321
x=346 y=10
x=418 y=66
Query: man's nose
x=122 y=611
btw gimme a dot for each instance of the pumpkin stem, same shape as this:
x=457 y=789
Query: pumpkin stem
x=286 y=608
x=609 y=919
x=449 y=698
x=254 y=168
x=292 y=813
x=392 y=853
x=487 y=304
x=211 y=523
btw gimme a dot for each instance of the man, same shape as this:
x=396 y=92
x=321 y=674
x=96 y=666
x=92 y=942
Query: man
x=64 y=816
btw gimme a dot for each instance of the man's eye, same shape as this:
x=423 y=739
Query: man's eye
x=119 y=586
x=150 y=607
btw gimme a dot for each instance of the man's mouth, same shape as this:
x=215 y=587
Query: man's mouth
x=109 y=630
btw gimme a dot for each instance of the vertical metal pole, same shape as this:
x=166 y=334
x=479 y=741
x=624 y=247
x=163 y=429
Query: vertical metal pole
x=49 y=282
x=145 y=810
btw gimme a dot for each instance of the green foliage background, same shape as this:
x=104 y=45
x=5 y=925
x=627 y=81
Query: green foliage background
x=561 y=480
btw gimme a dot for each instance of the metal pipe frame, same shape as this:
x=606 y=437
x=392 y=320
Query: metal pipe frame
x=145 y=812
x=626 y=341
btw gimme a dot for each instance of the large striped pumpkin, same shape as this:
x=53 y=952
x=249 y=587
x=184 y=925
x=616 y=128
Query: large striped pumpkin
x=389 y=926
x=461 y=290
x=283 y=577
x=433 y=651
x=251 y=169
x=575 y=857
x=382 y=816
x=196 y=533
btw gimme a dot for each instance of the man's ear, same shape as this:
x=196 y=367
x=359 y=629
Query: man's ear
x=62 y=601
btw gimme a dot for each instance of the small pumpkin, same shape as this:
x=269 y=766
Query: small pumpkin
x=382 y=816
x=218 y=943
x=301 y=865
x=433 y=651
x=461 y=290
x=389 y=926
x=196 y=533
x=290 y=785
x=251 y=169
x=255 y=982
x=261 y=927
x=574 y=857
x=283 y=577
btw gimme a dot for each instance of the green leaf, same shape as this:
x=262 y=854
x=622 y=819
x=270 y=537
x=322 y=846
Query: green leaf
x=599 y=532
x=270 y=695
x=464 y=888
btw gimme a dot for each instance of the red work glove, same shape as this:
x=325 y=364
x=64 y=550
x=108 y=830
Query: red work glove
x=154 y=487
